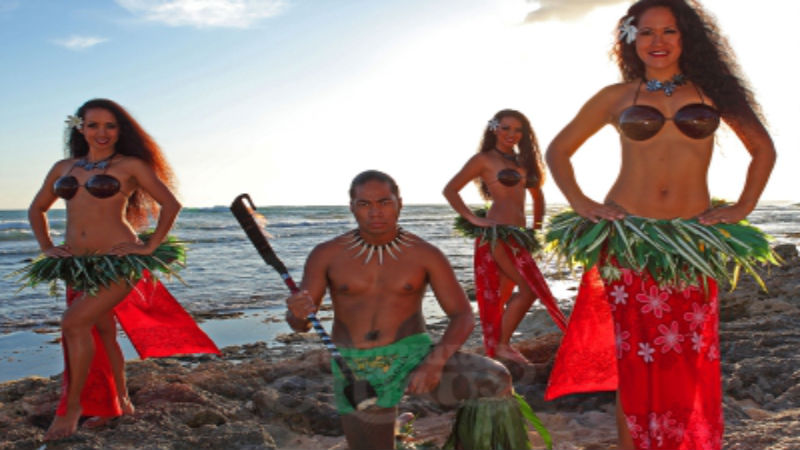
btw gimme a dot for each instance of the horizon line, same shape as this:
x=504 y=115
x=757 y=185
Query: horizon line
x=760 y=203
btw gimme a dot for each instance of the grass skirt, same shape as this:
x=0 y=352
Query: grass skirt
x=674 y=252
x=495 y=423
x=90 y=273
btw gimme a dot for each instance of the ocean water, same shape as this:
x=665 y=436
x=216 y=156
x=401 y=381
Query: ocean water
x=225 y=275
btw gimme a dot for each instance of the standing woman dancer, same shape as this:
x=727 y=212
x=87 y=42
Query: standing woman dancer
x=680 y=78
x=115 y=175
x=503 y=176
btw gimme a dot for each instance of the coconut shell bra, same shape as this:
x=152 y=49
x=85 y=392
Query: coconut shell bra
x=100 y=185
x=511 y=177
x=695 y=120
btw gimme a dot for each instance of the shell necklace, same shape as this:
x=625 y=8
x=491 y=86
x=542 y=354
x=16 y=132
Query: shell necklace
x=85 y=164
x=392 y=248
x=667 y=86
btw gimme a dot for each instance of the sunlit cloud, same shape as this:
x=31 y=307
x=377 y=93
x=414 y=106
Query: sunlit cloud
x=205 y=13
x=542 y=10
x=79 y=42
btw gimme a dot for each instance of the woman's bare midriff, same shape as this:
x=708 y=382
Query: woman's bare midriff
x=507 y=204
x=658 y=203
x=507 y=213
x=663 y=181
x=96 y=233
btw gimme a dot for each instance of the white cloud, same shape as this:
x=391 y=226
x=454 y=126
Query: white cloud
x=564 y=9
x=204 y=13
x=79 y=42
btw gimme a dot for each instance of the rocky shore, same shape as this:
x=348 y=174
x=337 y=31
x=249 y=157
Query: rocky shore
x=260 y=397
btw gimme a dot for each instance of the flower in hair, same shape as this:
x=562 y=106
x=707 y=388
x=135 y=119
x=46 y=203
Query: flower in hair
x=627 y=31
x=74 y=122
x=493 y=124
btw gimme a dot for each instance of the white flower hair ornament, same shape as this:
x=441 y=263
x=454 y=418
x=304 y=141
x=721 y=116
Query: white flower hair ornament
x=627 y=31
x=72 y=122
x=493 y=124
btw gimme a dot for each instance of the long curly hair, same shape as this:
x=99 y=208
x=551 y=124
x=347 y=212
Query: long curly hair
x=133 y=141
x=530 y=157
x=706 y=58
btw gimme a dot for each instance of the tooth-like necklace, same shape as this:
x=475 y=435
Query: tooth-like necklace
x=392 y=248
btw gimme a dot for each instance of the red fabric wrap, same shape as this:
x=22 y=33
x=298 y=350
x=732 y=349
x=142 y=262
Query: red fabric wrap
x=665 y=342
x=491 y=302
x=157 y=326
x=586 y=360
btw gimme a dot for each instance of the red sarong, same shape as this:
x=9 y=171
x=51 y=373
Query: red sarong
x=157 y=326
x=491 y=302
x=665 y=343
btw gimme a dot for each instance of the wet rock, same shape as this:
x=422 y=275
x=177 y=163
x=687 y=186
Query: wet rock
x=173 y=393
x=206 y=417
x=732 y=411
x=541 y=349
x=270 y=403
x=325 y=420
x=217 y=315
x=787 y=252
x=230 y=436
x=297 y=337
x=301 y=413
x=238 y=382
x=733 y=311
x=13 y=391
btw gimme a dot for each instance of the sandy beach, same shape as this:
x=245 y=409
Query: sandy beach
x=261 y=397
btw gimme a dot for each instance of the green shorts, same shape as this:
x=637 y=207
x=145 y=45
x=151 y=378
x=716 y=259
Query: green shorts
x=387 y=368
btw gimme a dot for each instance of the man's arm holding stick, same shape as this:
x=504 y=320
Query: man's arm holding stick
x=312 y=290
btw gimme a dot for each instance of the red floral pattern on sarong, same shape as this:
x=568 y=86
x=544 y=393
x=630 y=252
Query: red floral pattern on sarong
x=157 y=326
x=491 y=302
x=665 y=342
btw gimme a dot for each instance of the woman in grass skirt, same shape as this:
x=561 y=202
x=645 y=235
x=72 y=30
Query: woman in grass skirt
x=662 y=352
x=114 y=175
x=508 y=165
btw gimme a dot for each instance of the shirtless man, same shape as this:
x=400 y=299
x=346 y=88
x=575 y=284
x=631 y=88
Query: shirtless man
x=377 y=304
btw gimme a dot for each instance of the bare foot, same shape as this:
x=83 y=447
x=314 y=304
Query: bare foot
x=126 y=405
x=96 y=422
x=507 y=352
x=63 y=426
x=100 y=421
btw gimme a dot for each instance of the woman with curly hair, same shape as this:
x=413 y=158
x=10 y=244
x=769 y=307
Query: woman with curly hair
x=679 y=79
x=508 y=164
x=115 y=174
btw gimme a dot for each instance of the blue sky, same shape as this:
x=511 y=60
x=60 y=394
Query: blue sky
x=289 y=99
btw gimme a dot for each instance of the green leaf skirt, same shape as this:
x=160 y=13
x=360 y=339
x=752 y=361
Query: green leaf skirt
x=675 y=252
x=526 y=237
x=90 y=273
x=495 y=423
